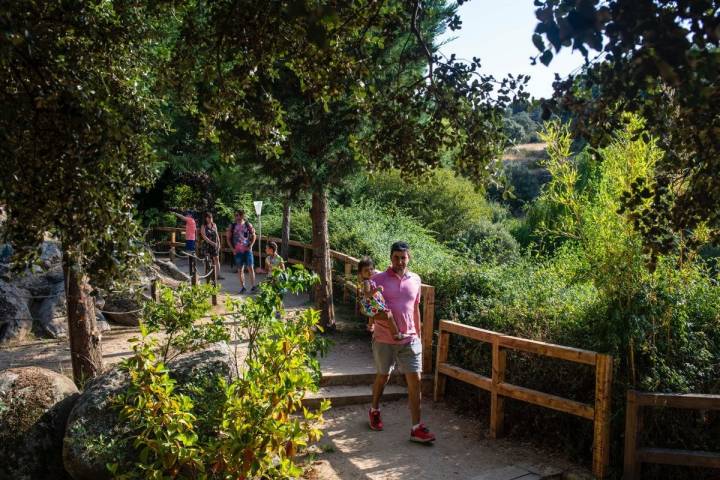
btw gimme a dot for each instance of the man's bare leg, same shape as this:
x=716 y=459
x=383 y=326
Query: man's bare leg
x=413 y=386
x=378 y=388
x=241 y=276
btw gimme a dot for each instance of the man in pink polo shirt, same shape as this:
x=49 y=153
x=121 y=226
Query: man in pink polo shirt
x=401 y=289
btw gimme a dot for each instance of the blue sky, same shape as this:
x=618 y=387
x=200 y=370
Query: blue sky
x=499 y=32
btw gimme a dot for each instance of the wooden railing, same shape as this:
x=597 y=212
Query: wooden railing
x=499 y=389
x=635 y=456
x=349 y=266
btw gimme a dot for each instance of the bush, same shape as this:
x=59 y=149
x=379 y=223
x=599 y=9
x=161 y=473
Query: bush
x=486 y=242
x=247 y=428
x=442 y=202
x=593 y=288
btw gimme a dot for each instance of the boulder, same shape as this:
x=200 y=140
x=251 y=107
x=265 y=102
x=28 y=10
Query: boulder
x=36 y=403
x=94 y=425
x=102 y=324
x=122 y=308
x=15 y=318
x=168 y=269
x=50 y=254
x=50 y=313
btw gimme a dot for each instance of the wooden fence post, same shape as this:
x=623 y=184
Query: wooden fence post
x=307 y=257
x=172 y=246
x=497 y=402
x=155 y=290
x=631 y=467
x=427 y=324
x=442 y=356
x=601 y=435
x=348 y=274
x=212 y=277
x=192 y=270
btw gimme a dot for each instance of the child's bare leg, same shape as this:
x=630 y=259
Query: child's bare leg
x=370 y=324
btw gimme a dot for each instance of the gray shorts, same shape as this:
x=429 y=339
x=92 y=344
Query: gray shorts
x=408 y=356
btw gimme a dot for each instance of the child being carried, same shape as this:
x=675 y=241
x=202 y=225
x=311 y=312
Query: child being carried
x=371 y=298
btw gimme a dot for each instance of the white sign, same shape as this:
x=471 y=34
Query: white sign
x=258 y=206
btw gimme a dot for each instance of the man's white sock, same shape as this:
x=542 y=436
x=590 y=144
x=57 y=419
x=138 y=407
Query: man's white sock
x=374 y=409
x=415 y=427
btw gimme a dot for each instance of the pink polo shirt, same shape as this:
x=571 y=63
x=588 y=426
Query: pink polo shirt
x=402 y=296
x=190 y=227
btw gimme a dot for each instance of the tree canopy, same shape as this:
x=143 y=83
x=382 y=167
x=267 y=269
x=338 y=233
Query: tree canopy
x=659 y=59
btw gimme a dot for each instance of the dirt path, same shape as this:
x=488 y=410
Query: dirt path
x=351 y=451
x=55 y=354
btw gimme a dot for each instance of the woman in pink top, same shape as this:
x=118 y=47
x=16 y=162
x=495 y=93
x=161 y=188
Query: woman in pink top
x=190 y=229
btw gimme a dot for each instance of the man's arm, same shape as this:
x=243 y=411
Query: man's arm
x=181 y=217
x=416 y=318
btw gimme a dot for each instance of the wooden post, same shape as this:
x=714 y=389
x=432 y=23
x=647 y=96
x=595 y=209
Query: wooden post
x=348 y=274
x=307 y=257
x=193 y=271
x=442 y=355
x=601 y=435
x=212 y=278
x=172 y=246
x=155 y=290
x=632 y=469
x=427 y=324
x=497 y=402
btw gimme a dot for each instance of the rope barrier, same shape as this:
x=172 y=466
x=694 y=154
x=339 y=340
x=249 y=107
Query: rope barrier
x=207 y=274
x=120 y=313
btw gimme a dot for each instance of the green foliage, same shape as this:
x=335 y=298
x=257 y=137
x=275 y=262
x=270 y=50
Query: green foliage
x=444 y=203
x=79 y=113
x=176 y=314
x=661 y=61
x=590 y=287
x=218 y=429
x=487 y=242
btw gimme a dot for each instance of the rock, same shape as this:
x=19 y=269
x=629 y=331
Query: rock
x=123 y=309
x=93 y=424
x=36 y=403
x=15 y=318
x=51 y=313
x=215 y=359
x=101 y=322
x=6 y=252
x=169 y=269
x=50 y=254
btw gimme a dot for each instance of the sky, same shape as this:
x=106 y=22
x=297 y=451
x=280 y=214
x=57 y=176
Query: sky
x=499 y=32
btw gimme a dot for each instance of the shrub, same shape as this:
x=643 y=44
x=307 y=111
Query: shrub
x=442 y=202
x=247 y=428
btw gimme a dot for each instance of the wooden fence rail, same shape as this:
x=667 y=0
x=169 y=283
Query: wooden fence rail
x=635 y=456
x=499 y=389
x=349 y=263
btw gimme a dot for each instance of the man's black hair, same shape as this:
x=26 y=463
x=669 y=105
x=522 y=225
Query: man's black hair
x=399 y=247
x=365 y=262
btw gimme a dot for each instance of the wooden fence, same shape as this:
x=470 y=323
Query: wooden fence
x=349 y=268
x=599 y=412
x=635 y=456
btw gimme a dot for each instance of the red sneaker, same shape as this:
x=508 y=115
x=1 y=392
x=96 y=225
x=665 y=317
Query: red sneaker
x=375 y=420
x=422 y=434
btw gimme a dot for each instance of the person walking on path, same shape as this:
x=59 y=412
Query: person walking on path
x=401 y=290
x=190 y=229
x=211 y=242
x=241 y=237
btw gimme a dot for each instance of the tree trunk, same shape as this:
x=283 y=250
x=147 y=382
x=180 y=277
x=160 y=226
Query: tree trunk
x=85 y=348
x=285 y=247
x=321 y=258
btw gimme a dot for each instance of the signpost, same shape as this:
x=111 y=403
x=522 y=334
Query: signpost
x=258 y=210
